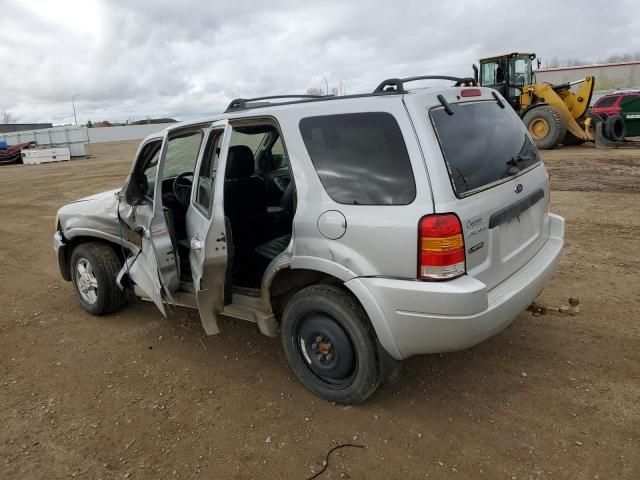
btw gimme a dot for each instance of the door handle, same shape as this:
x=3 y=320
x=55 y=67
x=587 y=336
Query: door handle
x=196 y=244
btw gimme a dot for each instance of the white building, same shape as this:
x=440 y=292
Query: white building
x=609 y=76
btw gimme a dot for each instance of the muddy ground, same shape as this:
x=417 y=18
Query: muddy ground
x=136 y=395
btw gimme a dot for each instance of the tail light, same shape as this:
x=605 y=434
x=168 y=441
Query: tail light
x=441 y=247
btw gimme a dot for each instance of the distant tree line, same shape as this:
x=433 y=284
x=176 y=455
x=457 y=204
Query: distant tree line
x=556 y=62
x=130 y=121
x=319 y=92
x=6 y=118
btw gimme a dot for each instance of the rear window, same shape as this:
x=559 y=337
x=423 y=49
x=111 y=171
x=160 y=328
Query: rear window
x=361 y=158
x=606 y=102
x=482 y=144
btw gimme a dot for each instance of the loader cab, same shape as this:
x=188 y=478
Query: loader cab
x=508 y=74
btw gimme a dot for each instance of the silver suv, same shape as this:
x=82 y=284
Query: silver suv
x=363 y=229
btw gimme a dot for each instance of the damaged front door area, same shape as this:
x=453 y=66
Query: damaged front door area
x=169 y=205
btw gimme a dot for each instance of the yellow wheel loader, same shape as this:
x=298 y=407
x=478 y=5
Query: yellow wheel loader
x=553 y=114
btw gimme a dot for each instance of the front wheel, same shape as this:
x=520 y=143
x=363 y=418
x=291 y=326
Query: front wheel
x=330 y=344
x=94 y=268
x=546 y=126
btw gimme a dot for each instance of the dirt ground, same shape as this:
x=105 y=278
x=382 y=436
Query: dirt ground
x=137 y=395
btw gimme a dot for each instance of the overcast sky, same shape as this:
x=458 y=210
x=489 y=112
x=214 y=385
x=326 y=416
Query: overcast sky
x=186 y=59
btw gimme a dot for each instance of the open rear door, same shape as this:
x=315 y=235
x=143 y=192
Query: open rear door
x=206 y=228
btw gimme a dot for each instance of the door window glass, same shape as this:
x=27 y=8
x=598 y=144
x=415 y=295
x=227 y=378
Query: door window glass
x=492 y=73
x=606 y=101
x=208 y=169
x=251 y=140
x=182 y=154
x=150 y=156
x=279 y=158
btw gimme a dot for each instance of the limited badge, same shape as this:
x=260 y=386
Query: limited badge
x=476 y=247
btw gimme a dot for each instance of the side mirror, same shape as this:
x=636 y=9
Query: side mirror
x=277 y=161
x=134 y=193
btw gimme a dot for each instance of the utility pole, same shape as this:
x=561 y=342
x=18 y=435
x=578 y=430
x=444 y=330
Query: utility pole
x=326 y=83
x=73 y=102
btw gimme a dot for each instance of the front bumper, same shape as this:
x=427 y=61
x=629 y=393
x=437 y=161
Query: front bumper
x=412 y=317
x=60 y=248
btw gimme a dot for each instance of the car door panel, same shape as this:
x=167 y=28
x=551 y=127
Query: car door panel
x=153 y=270
x=207 y=231
x=143 y=270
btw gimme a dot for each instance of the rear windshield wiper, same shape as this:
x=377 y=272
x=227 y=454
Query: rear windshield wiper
x=513 y=168
x=498 y=101
x=518 y=158
x=445 y=104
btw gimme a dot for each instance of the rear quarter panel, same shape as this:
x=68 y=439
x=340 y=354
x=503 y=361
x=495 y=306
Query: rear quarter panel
x=379 y=240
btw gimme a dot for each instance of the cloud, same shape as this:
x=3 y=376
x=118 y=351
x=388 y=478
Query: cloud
x=189 y=59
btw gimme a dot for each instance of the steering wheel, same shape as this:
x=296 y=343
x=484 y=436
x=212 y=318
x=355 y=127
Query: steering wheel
x=182 y=188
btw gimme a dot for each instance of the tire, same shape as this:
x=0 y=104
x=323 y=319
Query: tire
x=94 y=268
x=614 y=128
x=546 y=126
x=330 y=344
x=570 y=140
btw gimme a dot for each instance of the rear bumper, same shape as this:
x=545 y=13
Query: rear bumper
x=412 y=317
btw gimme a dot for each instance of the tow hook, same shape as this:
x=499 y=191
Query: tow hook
x=572 y=309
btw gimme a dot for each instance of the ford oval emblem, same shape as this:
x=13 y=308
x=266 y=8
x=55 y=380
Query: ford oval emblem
x=519 y=188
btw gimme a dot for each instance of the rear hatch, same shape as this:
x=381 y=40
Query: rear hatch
x=489 y=173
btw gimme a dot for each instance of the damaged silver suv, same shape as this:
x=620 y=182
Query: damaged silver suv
x=362 y=229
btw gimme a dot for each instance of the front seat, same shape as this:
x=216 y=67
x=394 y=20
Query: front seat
x=245 y=203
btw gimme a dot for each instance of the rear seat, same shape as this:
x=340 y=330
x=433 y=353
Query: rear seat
x=273 y=248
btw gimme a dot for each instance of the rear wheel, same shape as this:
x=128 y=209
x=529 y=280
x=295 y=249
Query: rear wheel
x=614 y=128
x=546 y=126
x=94 y=268
x=330 y=344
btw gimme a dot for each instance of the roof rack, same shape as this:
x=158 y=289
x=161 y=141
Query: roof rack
x=241 y=103
x=389 y=86
x=396 y=85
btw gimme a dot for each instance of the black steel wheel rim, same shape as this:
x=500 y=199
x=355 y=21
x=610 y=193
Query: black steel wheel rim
x=326 y=349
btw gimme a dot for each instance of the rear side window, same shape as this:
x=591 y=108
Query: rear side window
x=361 y=158
x=482 y=144
x=606 y=102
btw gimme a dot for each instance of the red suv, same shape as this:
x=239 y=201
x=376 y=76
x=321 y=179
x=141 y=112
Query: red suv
x=625 y=104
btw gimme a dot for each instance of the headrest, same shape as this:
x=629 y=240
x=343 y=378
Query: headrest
x=240 y=162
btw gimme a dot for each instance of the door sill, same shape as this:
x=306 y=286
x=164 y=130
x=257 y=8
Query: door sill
x=246 y=291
